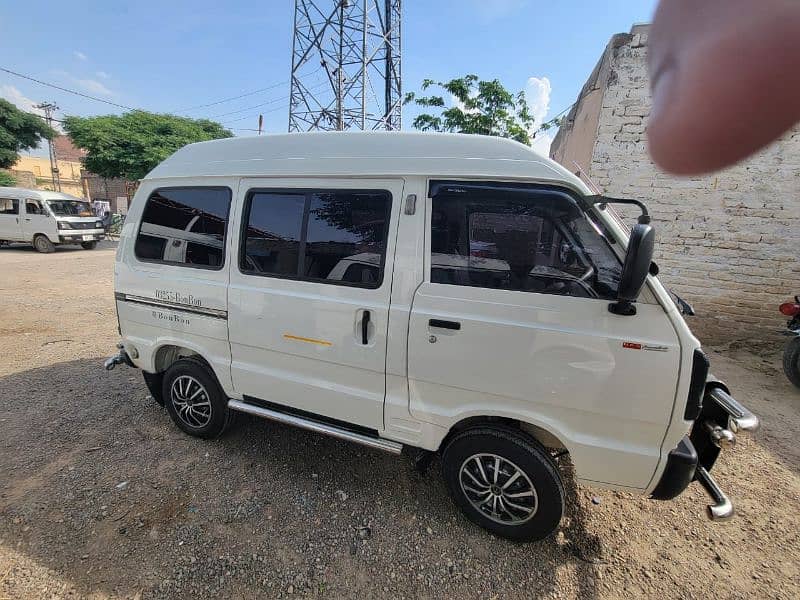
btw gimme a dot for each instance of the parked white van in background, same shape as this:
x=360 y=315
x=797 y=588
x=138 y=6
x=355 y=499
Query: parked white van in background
x=421 y=293
x=47 y=219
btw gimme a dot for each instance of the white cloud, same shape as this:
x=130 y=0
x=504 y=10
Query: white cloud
x=79 y=55
x=537 y=93
x=17 y=98
x=102 y=74
x=93 y=86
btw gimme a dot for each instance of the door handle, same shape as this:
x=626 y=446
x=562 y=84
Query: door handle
x=365 y=328
x=27 y=218
x=442 y=324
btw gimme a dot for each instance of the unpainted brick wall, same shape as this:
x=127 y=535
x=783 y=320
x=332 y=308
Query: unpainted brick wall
x=729 y=243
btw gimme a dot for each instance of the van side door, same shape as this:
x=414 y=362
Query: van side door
x=10 y=227
x=309 y=295
x=512 y=320
x=37 y=220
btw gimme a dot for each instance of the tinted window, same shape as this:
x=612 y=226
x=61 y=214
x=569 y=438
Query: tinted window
x=272 y=238
x=32 y=207
x=346 y=228
x=520 y=240
x=185 y=226
x=9 y=206
x=323 y=235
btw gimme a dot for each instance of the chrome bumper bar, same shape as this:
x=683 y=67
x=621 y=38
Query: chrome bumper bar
x=740 y=419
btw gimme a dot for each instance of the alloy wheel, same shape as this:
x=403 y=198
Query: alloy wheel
x=498 y=488
x=191 y=402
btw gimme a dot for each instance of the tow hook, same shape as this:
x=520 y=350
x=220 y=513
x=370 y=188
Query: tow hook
x=119 y=358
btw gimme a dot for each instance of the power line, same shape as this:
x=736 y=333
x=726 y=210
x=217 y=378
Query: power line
x=270 y=87
x=63 y=89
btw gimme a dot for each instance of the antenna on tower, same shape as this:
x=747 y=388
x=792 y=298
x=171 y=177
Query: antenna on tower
x=346 y=65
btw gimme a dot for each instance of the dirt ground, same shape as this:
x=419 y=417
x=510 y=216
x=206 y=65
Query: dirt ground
x=102 y=497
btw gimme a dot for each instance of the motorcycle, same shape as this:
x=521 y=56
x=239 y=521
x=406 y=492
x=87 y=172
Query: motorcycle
x=791 y=355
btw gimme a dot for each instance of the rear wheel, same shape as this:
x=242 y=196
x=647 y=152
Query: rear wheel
x=195 y=400
x=505 y=482
x=43 y=244
x=88 y=245
x=791 y=361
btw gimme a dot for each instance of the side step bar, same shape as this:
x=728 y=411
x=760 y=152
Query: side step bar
x=331 y=430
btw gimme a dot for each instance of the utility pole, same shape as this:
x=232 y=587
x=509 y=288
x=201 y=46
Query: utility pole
x=49 y=108
x=346 y=65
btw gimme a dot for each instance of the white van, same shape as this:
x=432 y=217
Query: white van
x=47 y=219
x=421 y=293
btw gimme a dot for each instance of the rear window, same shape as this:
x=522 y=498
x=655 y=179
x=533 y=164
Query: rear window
x=185 y=226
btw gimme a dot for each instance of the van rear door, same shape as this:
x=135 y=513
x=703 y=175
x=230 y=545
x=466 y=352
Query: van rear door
x=172 y=271
x=309 y=295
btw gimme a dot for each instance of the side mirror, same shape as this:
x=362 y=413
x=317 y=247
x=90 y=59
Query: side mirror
x=638 y=259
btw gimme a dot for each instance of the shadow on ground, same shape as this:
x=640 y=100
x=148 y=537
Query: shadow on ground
x=103 y=491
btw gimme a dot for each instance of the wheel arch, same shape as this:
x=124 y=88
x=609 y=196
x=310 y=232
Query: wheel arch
x=542 y=435
x=168 y=353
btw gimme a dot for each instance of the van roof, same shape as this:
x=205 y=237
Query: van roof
x=364 y=153
x=38 y=194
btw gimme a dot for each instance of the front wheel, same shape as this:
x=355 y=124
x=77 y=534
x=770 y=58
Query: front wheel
x=43 y=244
x=791 y=361
x=88 y=245
x=505 y=482
x=194 y=399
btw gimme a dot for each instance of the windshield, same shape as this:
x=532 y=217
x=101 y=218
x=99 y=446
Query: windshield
x=70 y=208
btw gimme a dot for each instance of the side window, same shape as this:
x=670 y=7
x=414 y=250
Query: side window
x=9 y=206
x=519 y=239
x=185 y=226
x=32 y=207
x=334 y=236
x=273 y=234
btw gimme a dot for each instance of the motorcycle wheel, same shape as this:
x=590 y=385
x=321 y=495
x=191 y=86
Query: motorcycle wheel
x=791 y=361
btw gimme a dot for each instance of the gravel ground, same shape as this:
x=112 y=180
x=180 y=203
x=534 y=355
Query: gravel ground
x=102 y=497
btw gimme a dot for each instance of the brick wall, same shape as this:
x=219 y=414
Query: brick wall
x=729 y=242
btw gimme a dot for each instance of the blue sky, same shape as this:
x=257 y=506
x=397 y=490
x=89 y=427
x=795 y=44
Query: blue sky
x=169 y=55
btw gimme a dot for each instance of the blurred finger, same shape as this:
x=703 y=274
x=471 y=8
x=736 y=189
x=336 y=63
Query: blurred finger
x=725 y=78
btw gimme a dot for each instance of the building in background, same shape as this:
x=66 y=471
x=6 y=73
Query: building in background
x=34 y=172
x=728 y=242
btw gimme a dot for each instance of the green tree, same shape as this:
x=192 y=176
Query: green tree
x=7 y=179
x=480 y=107
x=19 y=131
x=131 y=144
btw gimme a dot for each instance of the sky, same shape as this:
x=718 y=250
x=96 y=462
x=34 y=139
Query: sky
x=171 y=56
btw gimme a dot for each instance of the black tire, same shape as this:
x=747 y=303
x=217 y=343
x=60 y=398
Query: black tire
x=89 y=245
x=791 y=361
x=214 y=423
x=517 y=450
x=43 y=244
x=154 y=383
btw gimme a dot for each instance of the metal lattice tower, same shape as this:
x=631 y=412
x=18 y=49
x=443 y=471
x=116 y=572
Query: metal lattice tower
x=345 y=65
